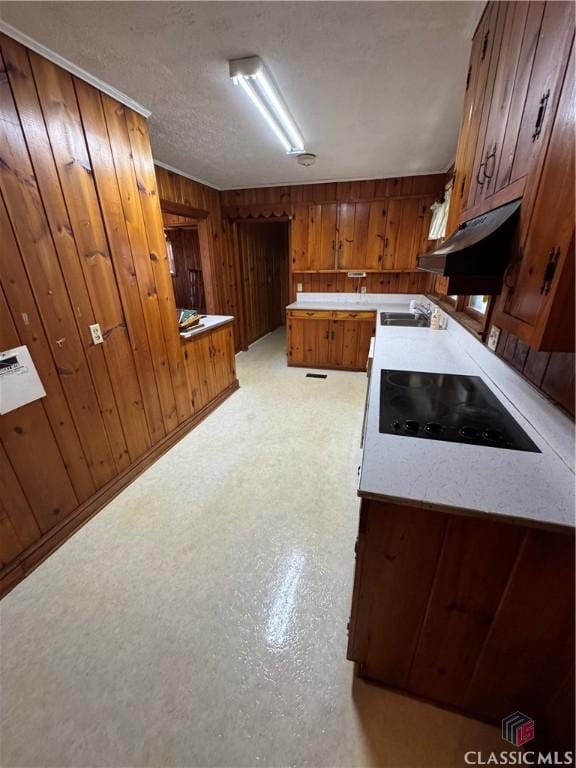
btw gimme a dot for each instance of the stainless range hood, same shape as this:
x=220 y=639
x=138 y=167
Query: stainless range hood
x=475 y=256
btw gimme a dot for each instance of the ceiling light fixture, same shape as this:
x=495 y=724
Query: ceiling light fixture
x=251 y=75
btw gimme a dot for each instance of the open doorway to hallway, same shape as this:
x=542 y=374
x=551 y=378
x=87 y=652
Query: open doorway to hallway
x=263 y=251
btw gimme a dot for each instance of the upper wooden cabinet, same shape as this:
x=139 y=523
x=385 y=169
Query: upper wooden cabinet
x=516 y=140
x=314 y=237
x=537 y=302
x=517 y=66
x=377 y=235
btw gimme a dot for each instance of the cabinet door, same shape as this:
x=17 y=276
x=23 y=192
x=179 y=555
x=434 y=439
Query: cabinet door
x=308 y=341
x=404 y=228
x=376 y=238
x=346 y=226
x=554 y=42
x=314 y=237
x=356 y=344
x=514 y=18
x=480 y=62
x=223 y=360
x=520 y=89
x=492 y=57
x=198 y=370
x=299 y=237
x=543 y=292
x=465 y=135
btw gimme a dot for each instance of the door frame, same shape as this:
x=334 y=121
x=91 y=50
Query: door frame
x=200 y=218
x=239 y=268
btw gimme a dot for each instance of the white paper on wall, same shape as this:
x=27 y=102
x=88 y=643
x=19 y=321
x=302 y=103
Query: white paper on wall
x=19 y=380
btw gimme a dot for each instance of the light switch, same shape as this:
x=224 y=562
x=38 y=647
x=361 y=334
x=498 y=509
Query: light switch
x=97 y=337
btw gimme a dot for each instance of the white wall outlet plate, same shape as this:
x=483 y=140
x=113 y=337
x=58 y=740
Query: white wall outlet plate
x=97 y=337
x=299 y=287
x=493 y=337
x=363 y=289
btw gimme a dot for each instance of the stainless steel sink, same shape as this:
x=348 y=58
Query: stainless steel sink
x=409 y=319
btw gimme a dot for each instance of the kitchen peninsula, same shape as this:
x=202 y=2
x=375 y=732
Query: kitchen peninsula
x=210 y=362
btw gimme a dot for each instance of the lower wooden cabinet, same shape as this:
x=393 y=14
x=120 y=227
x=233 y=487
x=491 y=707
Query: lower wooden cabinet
x=472 y=613
x=329 y=339
x=210 y=365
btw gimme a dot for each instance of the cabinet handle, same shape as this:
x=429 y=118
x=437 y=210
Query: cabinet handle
x=550 y=270
x=480 y=167
x=541 y=114
x=332 y=335
x=485 y=45
x=491 y=156
x=327 y=335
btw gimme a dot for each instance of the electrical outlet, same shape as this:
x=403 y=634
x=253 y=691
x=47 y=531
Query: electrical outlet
x=493 y=337
x=363 y=289
x=97 y=337
x=299 y=287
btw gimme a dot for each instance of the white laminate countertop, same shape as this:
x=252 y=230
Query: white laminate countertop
x=537 y=488
x=207 y=323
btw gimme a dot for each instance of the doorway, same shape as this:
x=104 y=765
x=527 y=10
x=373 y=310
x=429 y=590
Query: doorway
x=183 y=246
x=263 y=251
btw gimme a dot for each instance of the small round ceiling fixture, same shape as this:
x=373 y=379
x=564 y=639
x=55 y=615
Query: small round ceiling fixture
x=306 y=159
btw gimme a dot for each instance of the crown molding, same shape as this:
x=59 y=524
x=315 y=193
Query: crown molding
x=186 y=175
x=75 y=70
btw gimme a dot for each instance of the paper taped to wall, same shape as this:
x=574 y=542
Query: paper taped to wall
x=19 y=380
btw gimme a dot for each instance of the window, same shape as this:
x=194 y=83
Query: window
x=170 y=254
x=478 y=304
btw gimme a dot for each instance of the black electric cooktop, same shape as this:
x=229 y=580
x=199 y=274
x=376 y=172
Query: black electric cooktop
x=444 y=406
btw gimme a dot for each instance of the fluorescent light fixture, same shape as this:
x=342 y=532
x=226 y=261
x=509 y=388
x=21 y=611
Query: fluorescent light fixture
x=252 y=76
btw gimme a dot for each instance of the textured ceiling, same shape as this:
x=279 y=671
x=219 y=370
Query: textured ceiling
x=376 y=87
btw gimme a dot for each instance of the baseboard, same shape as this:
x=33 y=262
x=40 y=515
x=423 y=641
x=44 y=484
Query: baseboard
x=326 y=367
x=36 y=553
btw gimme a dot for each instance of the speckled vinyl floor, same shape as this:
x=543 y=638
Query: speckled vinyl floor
x=200 y=619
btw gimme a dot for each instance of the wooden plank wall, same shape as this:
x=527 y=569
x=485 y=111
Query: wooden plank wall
x=82 y=243
x=263 y=250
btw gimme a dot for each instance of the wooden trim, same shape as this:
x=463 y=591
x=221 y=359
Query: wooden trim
x=34 y=555
x=183 y=210
x=328 y=367
x=506 y=195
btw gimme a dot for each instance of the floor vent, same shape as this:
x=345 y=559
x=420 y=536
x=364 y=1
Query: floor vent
x=317 y=375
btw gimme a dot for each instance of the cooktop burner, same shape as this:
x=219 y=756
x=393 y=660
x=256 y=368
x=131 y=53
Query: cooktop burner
x=445 y=406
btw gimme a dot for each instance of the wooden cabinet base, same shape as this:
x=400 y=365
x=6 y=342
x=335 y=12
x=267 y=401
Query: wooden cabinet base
x=468 y=612
x=329 y=339
x=32 y=557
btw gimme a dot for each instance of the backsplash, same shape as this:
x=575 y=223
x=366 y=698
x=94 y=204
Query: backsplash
x=381 y=282
x=551 y=372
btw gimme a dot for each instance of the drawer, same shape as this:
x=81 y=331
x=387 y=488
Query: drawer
x=348 y=315
x=310 y=314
